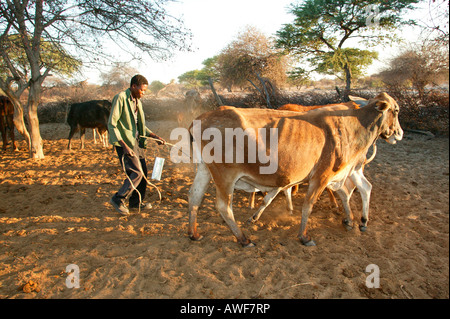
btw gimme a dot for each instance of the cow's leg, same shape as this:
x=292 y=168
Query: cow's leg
x=73 y=130
x=267 y=200
x=314 y=191
x=105 y=139
x=224 y=203
x=332 y=198
x=82 y=136
x=196 y=194
x=288 y=194
x=364 y=188
x=251 y=200
x=344 y=193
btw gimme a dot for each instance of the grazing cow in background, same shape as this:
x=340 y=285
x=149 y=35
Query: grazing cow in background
x=7 y=121
x=102 y=137
x=90 y=114
x=322 y=147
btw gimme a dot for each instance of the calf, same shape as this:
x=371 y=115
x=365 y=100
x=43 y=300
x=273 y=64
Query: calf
x=7 y=121
x=90 y=114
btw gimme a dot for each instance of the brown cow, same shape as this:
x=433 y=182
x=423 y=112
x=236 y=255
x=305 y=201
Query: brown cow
x=322 y=147
x=347 y=188
x=289 y=192
x=7 y=121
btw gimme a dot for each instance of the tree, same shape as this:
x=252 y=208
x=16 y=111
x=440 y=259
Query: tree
x=156 y=86
x=420 y=66
x=322 y=30
x=209 y=71
x=190 y=78
x=196 y=78
x=252 y=53
x=15 y=65
x=79 y=28
x=119 y=75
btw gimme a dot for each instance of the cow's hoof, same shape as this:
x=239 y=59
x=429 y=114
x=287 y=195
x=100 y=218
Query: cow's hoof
x=310 y=243
x=251 y=221
x=348 y=225
x=249 y=245
x=307 y=241
x=362 y=228
x=196 y=237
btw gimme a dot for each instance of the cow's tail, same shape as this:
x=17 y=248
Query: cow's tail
x=195 y=157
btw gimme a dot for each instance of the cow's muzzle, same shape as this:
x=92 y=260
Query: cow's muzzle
x=392 y=136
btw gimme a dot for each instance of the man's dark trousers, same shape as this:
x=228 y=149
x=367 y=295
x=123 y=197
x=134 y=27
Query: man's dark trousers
x=135 y=168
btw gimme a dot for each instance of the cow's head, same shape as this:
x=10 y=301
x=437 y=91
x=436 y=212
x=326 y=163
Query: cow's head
x=390 y=129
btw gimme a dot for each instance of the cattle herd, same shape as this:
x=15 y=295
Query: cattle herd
x=323 y=146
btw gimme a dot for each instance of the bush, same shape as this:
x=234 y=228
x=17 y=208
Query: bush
x=53 y=112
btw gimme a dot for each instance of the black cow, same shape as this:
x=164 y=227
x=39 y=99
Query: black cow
x=90 y=114
x=7 y=121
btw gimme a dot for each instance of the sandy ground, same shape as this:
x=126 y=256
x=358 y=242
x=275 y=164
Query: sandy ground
x=55 y=212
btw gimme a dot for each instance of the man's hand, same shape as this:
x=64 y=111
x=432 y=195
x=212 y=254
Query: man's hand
x=126 y=149
x=158 y=139
x=161 y=141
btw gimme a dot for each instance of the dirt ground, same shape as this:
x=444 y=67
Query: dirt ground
x=55 y=212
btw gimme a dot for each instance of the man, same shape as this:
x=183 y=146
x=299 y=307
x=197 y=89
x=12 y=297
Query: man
x=127 y=132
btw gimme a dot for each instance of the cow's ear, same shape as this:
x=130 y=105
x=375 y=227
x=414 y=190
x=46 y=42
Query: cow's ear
x=358 y=100
x=382 y=106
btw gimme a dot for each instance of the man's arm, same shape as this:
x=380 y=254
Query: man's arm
x=114 y=133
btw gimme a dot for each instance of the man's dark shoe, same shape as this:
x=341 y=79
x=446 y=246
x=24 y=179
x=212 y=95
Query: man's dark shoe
x=119 y=206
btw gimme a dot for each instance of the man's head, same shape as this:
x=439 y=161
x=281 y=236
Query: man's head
x=138 y=86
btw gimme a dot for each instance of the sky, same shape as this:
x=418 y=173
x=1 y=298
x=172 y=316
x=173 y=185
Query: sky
x=216 y=23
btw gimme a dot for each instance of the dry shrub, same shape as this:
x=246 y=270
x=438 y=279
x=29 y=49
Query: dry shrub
x=308 y=98
x=256 y=100
x=53 y=112
x=429 y=113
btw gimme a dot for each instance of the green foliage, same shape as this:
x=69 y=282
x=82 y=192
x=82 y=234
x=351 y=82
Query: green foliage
x=322 y=29
x=156 y=86
x=333 y=63
x=53 y=57
x=190 y=78
x=196 y=78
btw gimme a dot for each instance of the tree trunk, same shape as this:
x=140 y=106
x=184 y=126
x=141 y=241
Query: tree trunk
x=19 y=122
x=36 y=140
x=218 y=99
x=348 y=82
x=265 y=90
